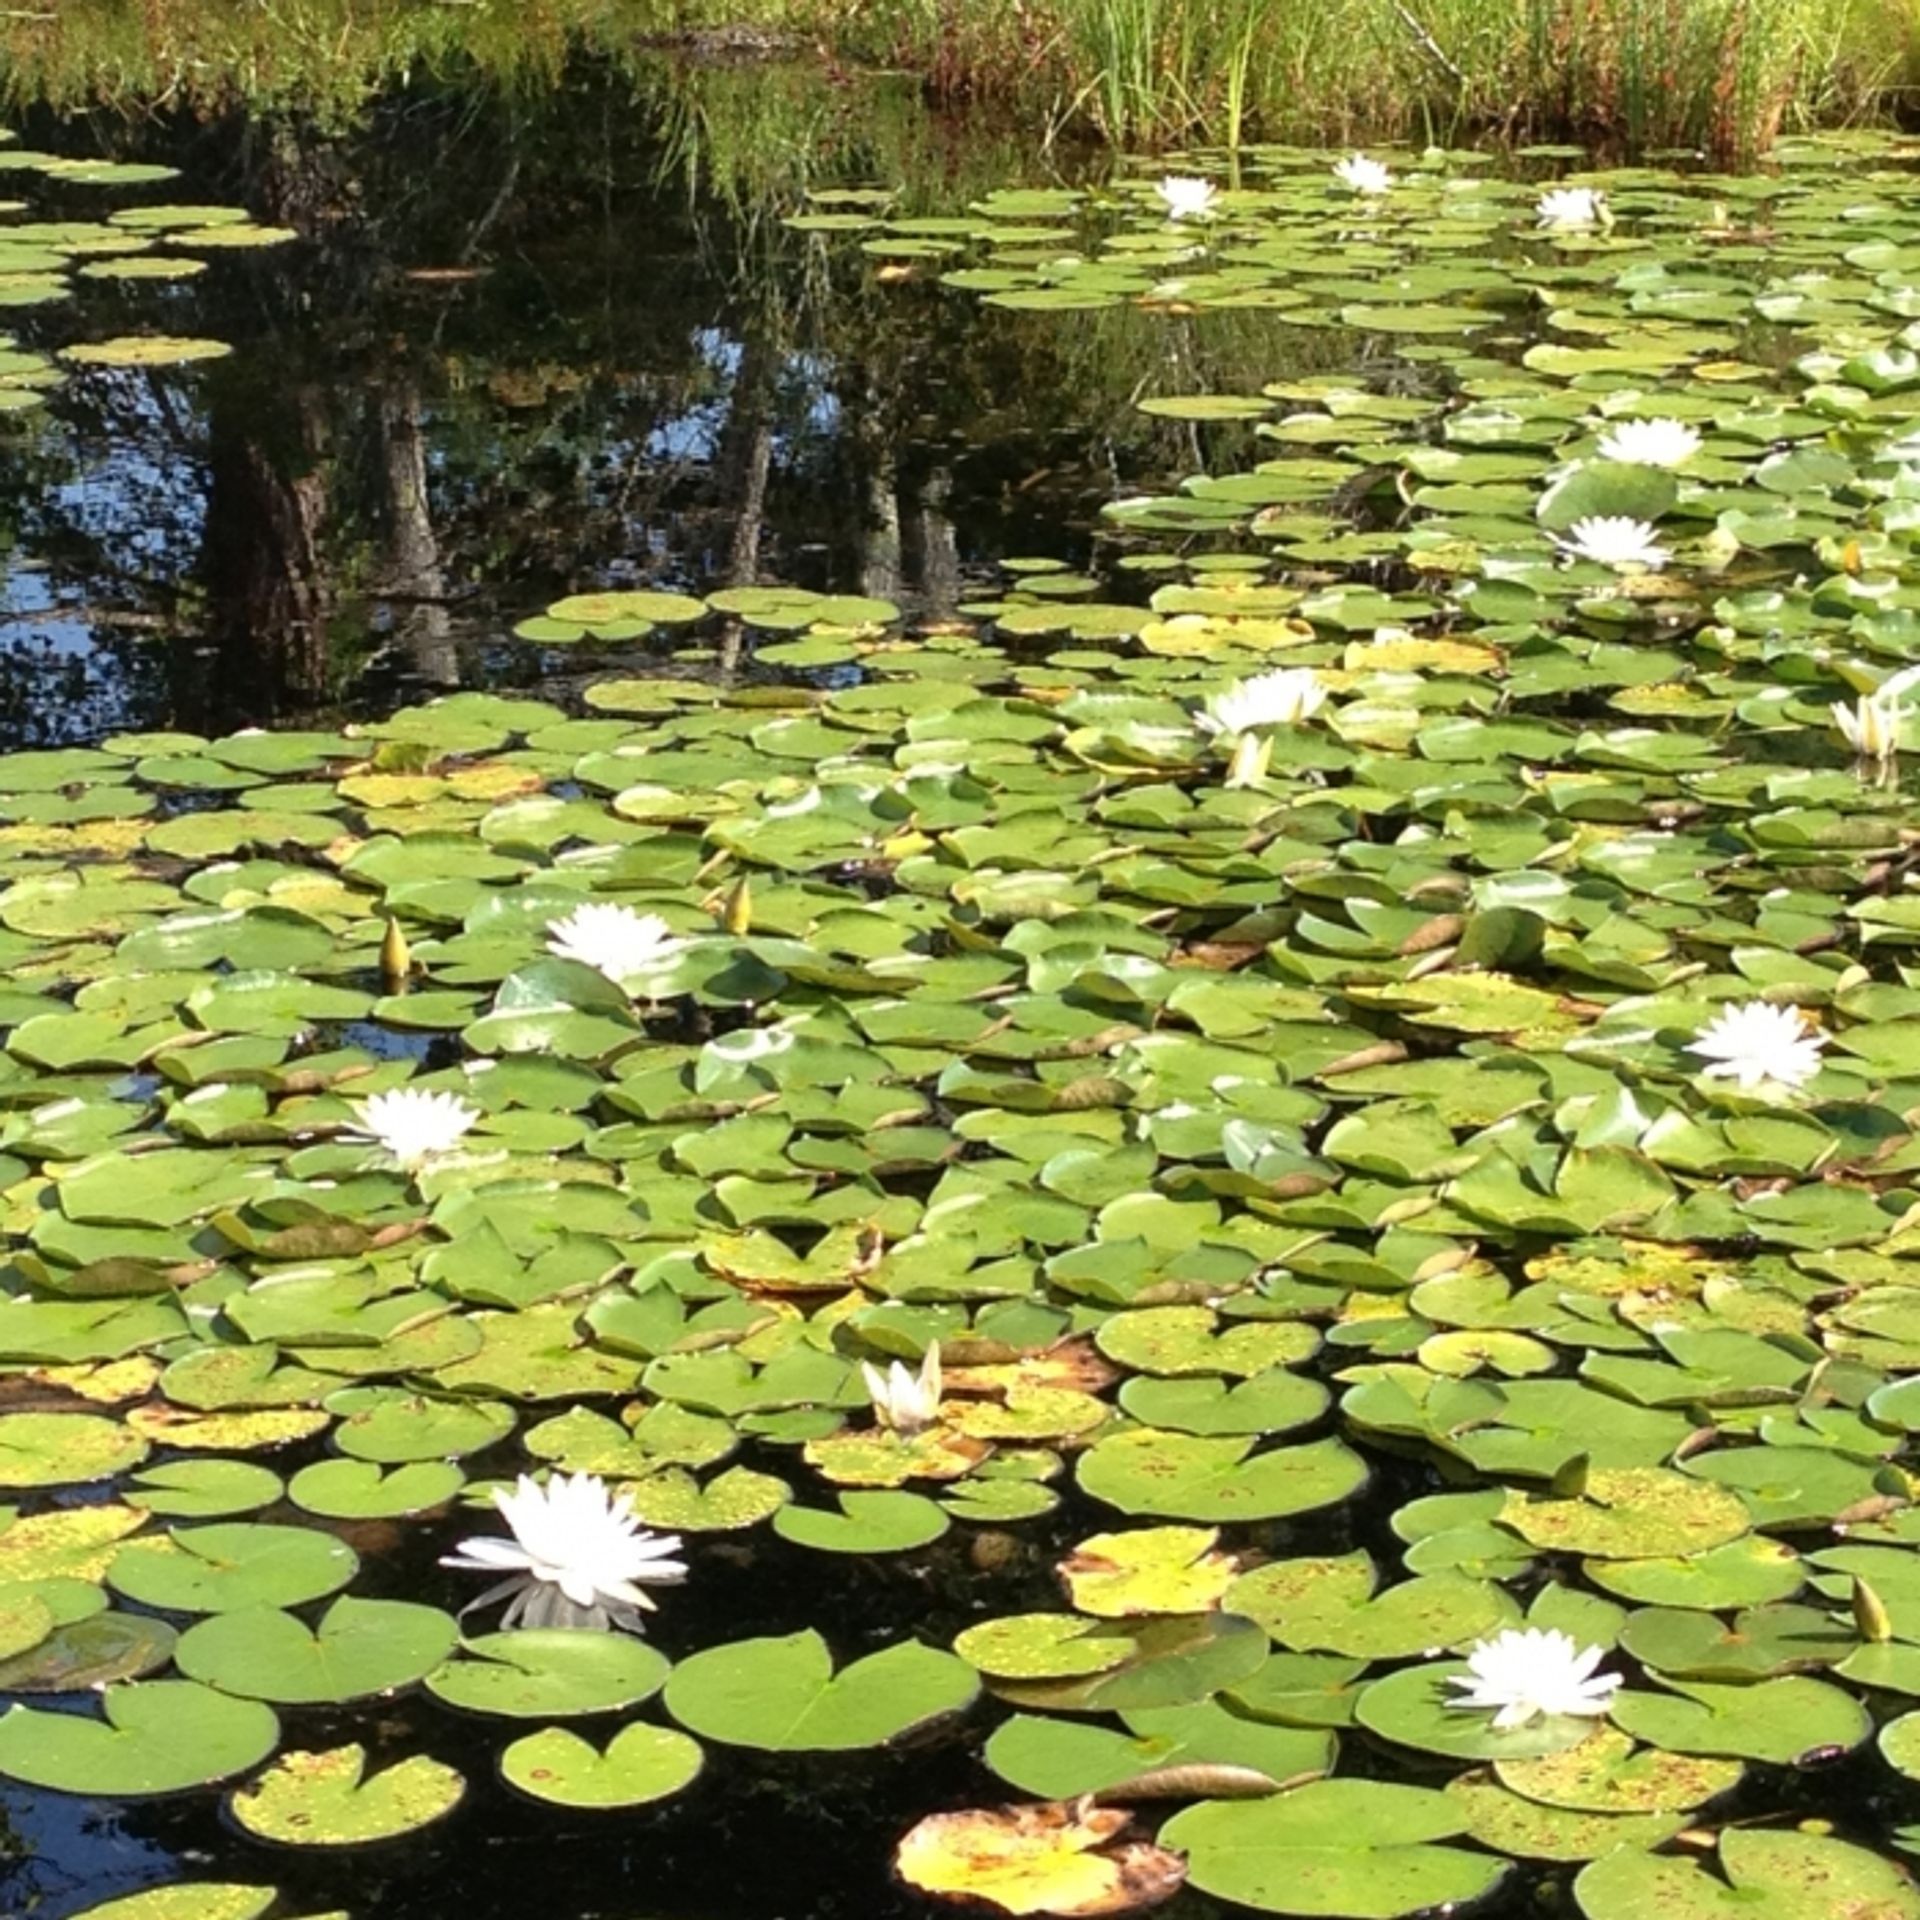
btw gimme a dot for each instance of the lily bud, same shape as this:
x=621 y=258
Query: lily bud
x=396 y=958
x=1870 y=1614
x=736 y=911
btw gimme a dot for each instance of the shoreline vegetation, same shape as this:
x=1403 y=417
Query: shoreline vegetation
x=1623 y=78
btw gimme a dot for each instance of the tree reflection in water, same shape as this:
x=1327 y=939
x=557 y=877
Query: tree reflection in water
x=533 y=340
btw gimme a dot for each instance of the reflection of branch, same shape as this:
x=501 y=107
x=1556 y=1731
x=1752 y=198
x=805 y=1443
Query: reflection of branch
x=501 y=200
x=1427 y=44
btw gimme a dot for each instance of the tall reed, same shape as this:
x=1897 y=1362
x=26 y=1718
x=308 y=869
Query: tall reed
x=1721 y=76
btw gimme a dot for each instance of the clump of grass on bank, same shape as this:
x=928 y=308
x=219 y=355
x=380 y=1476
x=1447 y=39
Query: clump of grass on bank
x=1625 y=76
x=1720 y=75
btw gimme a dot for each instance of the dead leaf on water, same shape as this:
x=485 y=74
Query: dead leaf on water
x=1052 y=1857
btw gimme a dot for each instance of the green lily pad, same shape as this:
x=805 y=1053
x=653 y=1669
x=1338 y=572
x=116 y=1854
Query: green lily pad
x=1183 y=1476
x=155 y=1736
x=79 y=1655
x=1780 y=1721
x=1061 y=1759
x=1329 y=1606
x=1746 y=1572
x=784 y=1696
x=359 y=1647
x=1760 y=1641
x=1508 y=1824
x=1781 y=1876
x=230 y=1564
x=204 y=1489
x=1418 y=1707
x=639 y=1765
x=879 y=1522
x=1173 y=1660
x=362 y=1490
x=532 y=1674
x=1347 y=1849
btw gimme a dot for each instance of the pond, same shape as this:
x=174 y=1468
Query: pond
x=520 y=344
x=1144 y=932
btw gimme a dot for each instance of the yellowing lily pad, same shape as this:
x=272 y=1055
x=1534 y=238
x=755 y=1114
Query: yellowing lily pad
x=1148 y=1570
x=1607 y=1773
x=1049 y=1858
x=1630 y=1513
x=147 y=350
x=329 y=1800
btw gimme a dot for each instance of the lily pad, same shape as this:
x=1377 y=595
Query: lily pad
x=538 y=1673
x=358 y=1647
x=784 y=1695
x=1195 y=1477
x=232 y=1564
x=1783 y=1876
x=1357 y=1849
x=154 y=1736
x=329 y=1800
x=639 y=1765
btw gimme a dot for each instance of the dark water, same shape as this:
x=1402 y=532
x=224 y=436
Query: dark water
x=525 y=345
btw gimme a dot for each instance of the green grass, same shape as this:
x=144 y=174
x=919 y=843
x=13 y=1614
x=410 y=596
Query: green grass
x=1626 y=76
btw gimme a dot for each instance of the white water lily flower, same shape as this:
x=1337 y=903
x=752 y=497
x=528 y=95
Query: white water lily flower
x=1757 y=1043
x=414 y=1125
x=578 y=1556
x=1571 y=207
x=612 y=939
x=1538 y=1671
x=1616 y=540
x=1280 y=699
x=1187 y=198
x=1651 y=443
x=1251 y=761
x=1871 y=726
x=1364 y=175
x=905 y=1402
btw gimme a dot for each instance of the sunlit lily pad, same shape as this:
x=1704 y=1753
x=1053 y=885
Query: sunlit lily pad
x=1194 y=1477
x=640 y=1764
x=1797 y=1876
x=532 y=1674
x=147 y=350
x=357 y=1647
x=329 y=1800
x=1526 y=1829
x=1360 y=1848
x=154 y=1736
x=784 y=1694
x=1606 y=1773
x=60 y=1449
x=1051 y=1858
x=1629 y=1513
